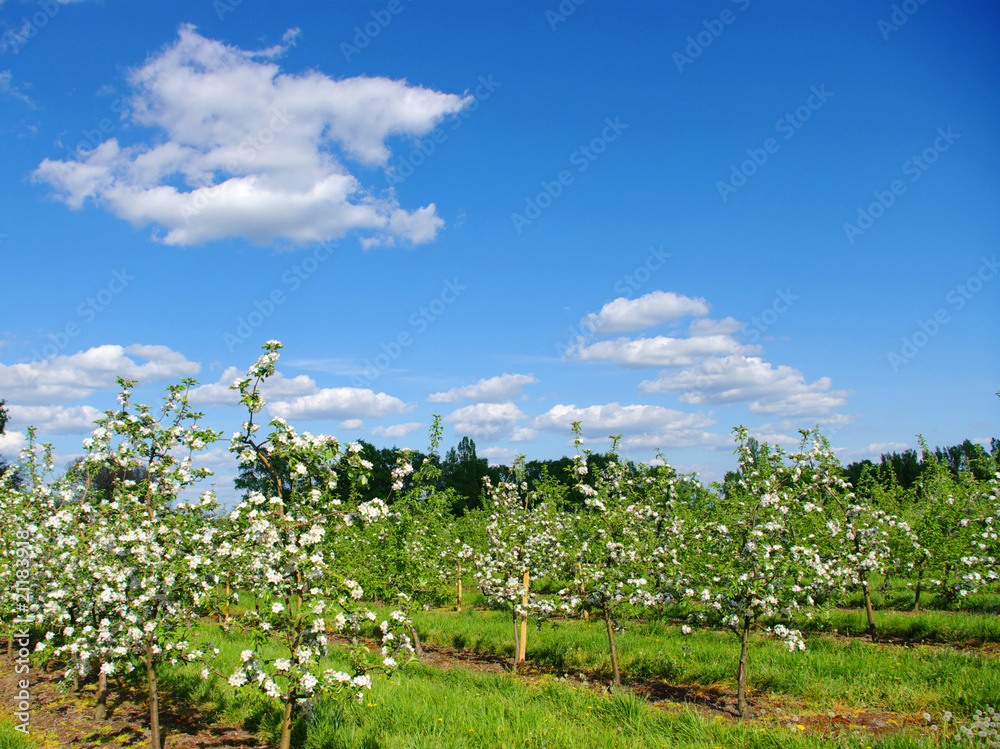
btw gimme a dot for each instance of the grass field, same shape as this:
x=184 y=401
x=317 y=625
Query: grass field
x=843 y=691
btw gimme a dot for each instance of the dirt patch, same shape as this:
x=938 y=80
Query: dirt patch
x=66 y=719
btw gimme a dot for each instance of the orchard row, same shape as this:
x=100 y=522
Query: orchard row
x=115 y=575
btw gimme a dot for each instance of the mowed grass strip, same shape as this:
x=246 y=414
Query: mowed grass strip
x=422 y=707
x=832 y=673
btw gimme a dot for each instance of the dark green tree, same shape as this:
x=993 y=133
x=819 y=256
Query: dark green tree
x=462 y=470
x=4 y=462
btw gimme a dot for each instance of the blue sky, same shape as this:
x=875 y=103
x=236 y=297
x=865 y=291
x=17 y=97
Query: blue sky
x=662 y=220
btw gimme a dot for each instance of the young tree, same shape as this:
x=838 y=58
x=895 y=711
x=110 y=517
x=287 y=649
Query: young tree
x=284 y=543
x=616 y=538
x=942 y=507
x=759 y=554
x=134 y=563
x=521 y=545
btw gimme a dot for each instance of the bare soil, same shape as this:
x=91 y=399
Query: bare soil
x=61 y=718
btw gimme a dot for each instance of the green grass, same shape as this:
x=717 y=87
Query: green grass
x=831 y=673
x=931 y=626
x=426 y=707
x=421 y=707
x=11 y=738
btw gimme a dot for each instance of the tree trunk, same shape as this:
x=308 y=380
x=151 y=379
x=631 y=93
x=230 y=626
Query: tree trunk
x=869 y=611
x=916 y=597
x=286 y=722
x=155 y=738
x=417 y=650
x=522 y=652
x=517 y=641
x=611 y=646
x=741 y=674
x=459 y=604
x=229 y=596
x=583 y=591
x=10 y=645
x=101 y=709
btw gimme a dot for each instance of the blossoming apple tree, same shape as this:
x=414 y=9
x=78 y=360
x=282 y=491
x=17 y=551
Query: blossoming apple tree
x=301 y=589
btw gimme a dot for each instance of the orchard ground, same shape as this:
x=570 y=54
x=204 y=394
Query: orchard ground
x=844 y=691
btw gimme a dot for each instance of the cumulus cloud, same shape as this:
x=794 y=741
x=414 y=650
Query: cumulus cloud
x=485 y=420
x=614 y=418
x=873 y=451
x=351 y=424
x=56 y=419
x=76 y=376
x=11 y=443
x=337 y=403
x=523 y=434
x=276 y=387
x=659 y=351
x=780 y=390
x=397 y=431
x=498 y=455
x=623 y=315
x=669 y=439
x=705 y=326
x=498 y=389
x=641 y=425
x=249 y=151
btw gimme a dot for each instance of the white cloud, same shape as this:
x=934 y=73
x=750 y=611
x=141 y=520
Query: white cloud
x=485 y=420
x=667 y=439
x=705 y=327
x=523 y=434
x=217 y=456
x=56 y=419
x=873 y=452
x=780 y=390
x=217 y=393
x=808 y=400
x=259 y=153
x=642 y=426
x=75 y=376
x=397 y=431
x=658 y=351
x=337 y=403
x=351 y=424
x=498 y=455
x=623 y=315
x=614 y=418
x=11 y=443
x=276 y=387
x=498 y=389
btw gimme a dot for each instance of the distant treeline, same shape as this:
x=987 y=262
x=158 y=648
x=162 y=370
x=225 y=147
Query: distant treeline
x=462 y=470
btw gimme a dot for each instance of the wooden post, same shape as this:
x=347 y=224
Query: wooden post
x=517 y=643
x=523 y=645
